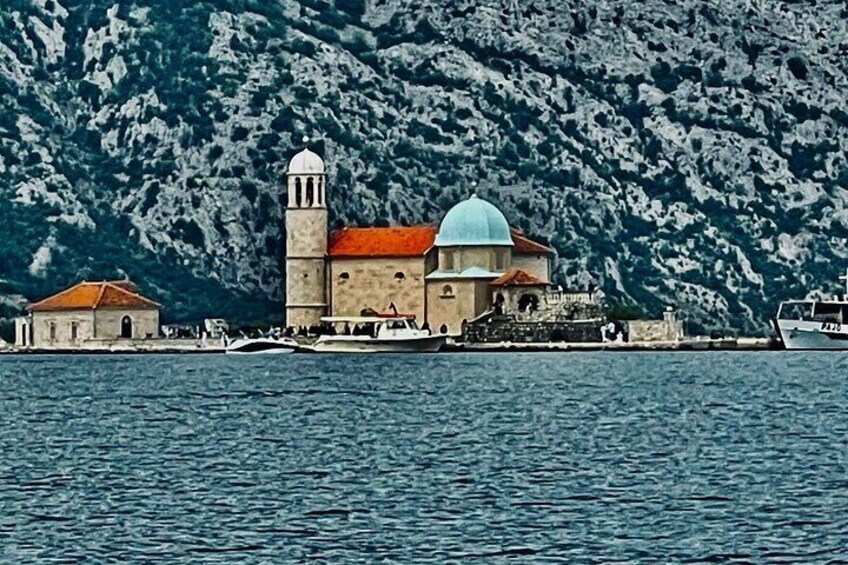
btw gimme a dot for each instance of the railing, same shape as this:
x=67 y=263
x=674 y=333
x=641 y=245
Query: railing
x=569 y=297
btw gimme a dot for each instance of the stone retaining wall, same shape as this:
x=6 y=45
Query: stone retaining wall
x=655 y=330
x=495 y=329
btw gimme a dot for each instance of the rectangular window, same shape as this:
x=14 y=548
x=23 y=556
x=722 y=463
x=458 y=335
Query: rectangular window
x=74 y=331
x=52 y=331
x=500 y=259
x=449 y=262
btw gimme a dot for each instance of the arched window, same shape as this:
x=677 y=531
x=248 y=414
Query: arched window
x=345 y=276
x=298 y=192
x=528 y=302
x=126 y=327
x=499 y=303
x=447 y=291
x=400 y=276
x=310 y=192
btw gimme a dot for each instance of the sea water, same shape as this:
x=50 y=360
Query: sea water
x=577 y=458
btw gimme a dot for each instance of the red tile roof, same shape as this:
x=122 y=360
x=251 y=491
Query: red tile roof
x=406 y=242
x=382 y=242
x=95 y=295
x=126 y=285
x=517 y=277
x=526 y=246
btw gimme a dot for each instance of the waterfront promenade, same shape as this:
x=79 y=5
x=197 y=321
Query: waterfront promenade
x=196 y=346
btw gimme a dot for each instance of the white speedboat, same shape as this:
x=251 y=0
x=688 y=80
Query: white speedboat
x=264 y=345
x=377 y=334
x=814 y=324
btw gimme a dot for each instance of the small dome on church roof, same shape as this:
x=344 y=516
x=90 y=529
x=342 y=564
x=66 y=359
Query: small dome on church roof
x=474 y=222
x=306 y=163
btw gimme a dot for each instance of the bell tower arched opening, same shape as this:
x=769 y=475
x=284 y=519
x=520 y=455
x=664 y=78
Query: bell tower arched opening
x=298 y=193
x=310 y=193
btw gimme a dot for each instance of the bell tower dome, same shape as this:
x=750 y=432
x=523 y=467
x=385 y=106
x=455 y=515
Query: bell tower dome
x=306 y=240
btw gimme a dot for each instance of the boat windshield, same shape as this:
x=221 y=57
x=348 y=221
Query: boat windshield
x=831 y=312
x=795 y=311
x=401 y=324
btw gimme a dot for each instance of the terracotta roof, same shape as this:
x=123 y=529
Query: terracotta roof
x=406 y=242
x=95 y=295
x=517 y=277
x=126 y=285
x=382 y=242
x=525 y=245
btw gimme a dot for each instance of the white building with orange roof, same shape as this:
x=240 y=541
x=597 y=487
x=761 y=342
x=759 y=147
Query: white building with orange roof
x=441 y=274
x=88 y=313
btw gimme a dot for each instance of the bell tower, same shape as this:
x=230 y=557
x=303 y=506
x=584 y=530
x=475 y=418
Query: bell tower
x=306 y=240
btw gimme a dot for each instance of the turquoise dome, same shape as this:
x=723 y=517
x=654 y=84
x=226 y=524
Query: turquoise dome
x=474 y=222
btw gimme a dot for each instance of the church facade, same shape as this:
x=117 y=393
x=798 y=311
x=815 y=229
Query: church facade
x=442 y=274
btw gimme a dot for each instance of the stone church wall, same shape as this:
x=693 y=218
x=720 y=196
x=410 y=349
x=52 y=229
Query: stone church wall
x=306 y=232
x=91 y=325
x=536 y=265
x=451 y=301
x=62 y=322
x=306 y=284
x=305 y=291
x=375 y=283
x=145 y=323
x=485 y=257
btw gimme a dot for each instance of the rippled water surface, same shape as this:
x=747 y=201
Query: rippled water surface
x=473 y=458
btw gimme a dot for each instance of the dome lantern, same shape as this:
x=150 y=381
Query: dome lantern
x=306 y=180
x=306 y=162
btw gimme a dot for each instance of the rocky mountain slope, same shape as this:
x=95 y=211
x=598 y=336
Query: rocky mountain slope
x=673 y=151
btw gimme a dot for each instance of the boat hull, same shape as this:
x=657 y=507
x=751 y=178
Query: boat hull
x=260 y=347
x=802 y=334
x=355 y=344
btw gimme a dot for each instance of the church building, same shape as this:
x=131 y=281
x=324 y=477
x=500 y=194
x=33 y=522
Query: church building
x=442 y=274
x=87 y=314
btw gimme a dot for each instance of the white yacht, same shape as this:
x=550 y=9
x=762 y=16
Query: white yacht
x=377 y=334
x=814 y=324
x=263 y=345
